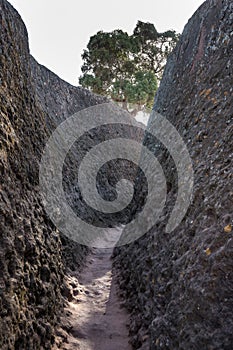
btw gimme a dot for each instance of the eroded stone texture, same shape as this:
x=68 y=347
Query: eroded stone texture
x=58 y=98
x=179 y=286
x=32 y=259
x=31 y=270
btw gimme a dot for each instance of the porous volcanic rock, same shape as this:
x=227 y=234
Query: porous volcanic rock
x=59 y=99
x=31 y=269
x=33 y=260
x=179 y=286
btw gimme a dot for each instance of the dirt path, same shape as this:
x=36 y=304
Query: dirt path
x=96 y=320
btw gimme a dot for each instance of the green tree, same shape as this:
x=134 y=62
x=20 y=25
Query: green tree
x=125 y=67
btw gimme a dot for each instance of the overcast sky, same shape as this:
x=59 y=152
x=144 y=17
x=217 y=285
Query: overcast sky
x=60 y=30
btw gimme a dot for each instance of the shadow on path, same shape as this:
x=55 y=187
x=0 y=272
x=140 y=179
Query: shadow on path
x=97 y=320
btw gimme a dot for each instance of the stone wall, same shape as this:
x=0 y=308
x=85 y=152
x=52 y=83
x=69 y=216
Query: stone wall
x=178 y=286
x=33 y=255
x=31 y=269
x=58 y=99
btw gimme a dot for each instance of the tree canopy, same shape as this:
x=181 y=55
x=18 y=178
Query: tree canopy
x=126 y=67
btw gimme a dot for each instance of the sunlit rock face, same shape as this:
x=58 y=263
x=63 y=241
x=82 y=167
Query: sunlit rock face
x=178 y=286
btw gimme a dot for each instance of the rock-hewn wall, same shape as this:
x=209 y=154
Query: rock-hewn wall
x=31 y=269
x=179 y=286
x=33 y=101
x=58 y=98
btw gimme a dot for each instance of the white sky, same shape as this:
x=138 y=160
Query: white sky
x=60 y=30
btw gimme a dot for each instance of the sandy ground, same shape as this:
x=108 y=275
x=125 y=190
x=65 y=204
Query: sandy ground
x=94 y=319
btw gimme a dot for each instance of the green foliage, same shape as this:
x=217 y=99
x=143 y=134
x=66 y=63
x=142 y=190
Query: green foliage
x=127 y=67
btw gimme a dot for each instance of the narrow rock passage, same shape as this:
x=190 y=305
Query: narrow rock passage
x=97 y=320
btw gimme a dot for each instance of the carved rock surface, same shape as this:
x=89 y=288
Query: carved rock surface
x=179 y=286
x=31 y=269
x=59 y=99
x=33 y=260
